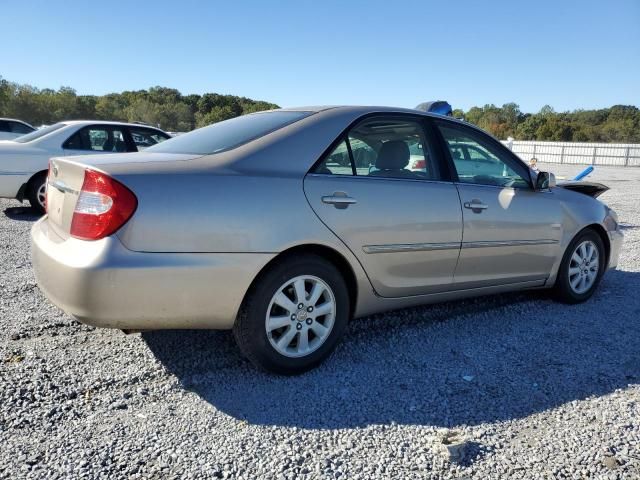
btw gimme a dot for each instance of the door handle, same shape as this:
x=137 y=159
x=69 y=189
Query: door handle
x=339 y=200
x=476 y=205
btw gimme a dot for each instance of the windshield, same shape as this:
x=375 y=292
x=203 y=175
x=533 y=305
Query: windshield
x=229 y=133
x=38 y=133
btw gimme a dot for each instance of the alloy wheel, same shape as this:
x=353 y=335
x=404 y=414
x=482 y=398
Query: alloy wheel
x=42 y=195
x=584 y=266
x=300 y=316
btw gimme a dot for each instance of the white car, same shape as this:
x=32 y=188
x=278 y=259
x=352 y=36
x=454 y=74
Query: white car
x=24 y=161
x=11 y=128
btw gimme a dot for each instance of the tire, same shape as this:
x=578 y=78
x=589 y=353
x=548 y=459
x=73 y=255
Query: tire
x=35 y=192
x=569 y=288
x=270 y=326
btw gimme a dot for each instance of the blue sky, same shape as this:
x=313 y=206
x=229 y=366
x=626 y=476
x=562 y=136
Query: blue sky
x=569 y=54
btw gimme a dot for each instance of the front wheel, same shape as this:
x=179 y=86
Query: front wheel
x=294 y=316
x=582 y=268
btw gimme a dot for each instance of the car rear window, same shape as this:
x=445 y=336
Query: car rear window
x=228 y=134
x=38 y=133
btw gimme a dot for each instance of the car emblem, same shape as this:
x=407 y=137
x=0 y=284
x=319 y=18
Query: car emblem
x=55 y=170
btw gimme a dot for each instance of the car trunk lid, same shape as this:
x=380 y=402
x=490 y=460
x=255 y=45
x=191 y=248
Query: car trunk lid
x=63 y=189
x=67 y=174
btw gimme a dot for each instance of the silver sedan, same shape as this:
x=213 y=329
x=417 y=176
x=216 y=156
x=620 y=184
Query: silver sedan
x=284 y=225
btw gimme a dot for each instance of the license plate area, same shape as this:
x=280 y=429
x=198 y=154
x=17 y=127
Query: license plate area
x=55 y=204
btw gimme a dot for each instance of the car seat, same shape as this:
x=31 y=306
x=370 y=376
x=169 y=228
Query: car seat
x=392 y=159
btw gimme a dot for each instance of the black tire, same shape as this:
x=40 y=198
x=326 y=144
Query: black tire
x=33 y=188
x=563 y=290
x=250 y=330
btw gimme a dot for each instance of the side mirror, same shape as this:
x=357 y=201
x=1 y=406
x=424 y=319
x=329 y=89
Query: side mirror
x=545 y=180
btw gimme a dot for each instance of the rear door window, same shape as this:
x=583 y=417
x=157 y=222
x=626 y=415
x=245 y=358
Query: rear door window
x=4 y=126
x=384 y=147
x=98 y=139
x=337 y=162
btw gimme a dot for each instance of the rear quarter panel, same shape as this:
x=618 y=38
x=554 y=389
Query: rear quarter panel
x=231 y=214
x=221 y=213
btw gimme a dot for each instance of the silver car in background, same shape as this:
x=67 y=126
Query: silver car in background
x=283 y=225
x=25 y=160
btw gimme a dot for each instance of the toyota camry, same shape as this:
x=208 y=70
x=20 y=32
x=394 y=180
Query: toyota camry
x=284 y=225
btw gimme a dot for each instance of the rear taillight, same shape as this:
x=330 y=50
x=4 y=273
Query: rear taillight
x=420 y=164
x=104 y=205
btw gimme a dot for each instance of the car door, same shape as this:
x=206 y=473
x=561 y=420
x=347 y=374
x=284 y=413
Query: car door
x=98 y=139
x=402 y=222
x=511 y=233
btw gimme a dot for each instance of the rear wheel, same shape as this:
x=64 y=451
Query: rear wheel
x=36 y=192
x=294 y=316
x=582 y=268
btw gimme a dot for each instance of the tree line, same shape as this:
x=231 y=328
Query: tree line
x=617 y=124
x=172 y=111
x=159 y=106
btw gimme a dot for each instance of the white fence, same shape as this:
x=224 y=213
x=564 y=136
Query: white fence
x=577 y=153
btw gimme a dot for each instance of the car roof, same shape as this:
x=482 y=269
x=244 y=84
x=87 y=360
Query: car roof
x=360 y=110
x=15 y=120
x=357 y=109
x=108 y=122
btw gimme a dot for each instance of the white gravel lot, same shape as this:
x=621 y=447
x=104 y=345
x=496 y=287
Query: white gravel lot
x=541 y=390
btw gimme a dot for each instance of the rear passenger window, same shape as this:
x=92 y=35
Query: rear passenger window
x=337 y=162
x=97 y=139
x=390 y=148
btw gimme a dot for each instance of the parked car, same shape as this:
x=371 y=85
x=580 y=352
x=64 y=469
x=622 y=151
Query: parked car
x=24 y=160
x=11 y=128
x=285 y=239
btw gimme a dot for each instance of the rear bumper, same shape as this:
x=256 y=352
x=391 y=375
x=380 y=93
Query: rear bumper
x=103 y=284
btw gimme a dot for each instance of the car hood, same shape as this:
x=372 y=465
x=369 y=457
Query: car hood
x=592 y=189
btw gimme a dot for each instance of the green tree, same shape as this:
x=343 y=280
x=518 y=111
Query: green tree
x=216 y=114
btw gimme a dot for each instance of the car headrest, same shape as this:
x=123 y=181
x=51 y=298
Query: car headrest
x=107 y=146
x=393 y=155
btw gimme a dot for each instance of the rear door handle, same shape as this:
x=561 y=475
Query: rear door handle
x=476 y=205
x=339 y=200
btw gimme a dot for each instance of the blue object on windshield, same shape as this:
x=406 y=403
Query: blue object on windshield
x=438 y=106
x=587 y=171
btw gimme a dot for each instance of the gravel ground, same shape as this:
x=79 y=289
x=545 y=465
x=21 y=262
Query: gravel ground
x=538 y=389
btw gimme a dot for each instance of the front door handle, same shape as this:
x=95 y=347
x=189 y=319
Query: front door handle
x=476 y=206
x=339 y=200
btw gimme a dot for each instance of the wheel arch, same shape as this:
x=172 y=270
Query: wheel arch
x=602 y=233
x=323 y=251
x=33 y=178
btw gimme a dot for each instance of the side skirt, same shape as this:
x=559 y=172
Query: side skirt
x=376 y=304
